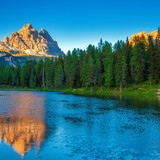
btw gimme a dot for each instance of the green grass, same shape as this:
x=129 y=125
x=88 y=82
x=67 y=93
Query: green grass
x=145 y=89
x=13 y=88
x=135 y=89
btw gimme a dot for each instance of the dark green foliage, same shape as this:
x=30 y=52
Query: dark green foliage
x=59 y=74
x=108 y=65
x=139 y=55
x=99 y=66
x=49 y=73
x=71 y=67
x=119 y=65
x=17 y=74
x=154 y=61
x=40 y=74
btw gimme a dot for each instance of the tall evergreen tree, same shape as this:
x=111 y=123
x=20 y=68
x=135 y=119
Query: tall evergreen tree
x=139 y=62
x=59 y=74
x=17 y=73
x=108 y=65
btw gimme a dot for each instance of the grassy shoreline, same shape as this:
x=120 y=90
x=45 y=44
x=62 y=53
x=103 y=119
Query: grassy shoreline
x=144 y=89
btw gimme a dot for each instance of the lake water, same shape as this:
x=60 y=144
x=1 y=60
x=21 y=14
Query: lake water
x=55 y=126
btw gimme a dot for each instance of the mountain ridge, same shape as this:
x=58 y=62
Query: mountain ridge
x=31 y=42
x=144 y=37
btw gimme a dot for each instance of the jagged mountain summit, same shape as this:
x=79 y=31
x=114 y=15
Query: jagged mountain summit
x=144 y=37
x=31 y=42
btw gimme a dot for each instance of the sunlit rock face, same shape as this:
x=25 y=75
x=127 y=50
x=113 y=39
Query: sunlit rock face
x=27 y=40
x=22 y=133
x=23 y=126
x=144 y=37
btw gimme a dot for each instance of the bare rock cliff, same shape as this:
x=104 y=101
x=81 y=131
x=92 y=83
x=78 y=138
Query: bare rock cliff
x=144 y=36
x=27 y=40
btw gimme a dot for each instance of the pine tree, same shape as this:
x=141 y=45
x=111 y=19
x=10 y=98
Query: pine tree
x=98 y=70
x=84 y=71
x=74 y=70
x=40 y=74
x=108 y=65
x=90 y=73
x=31 y=81
x=139 y=63
x=67 y=68
x=49 y=73
x=118 y=64
x=17 y=73
x=59 y=74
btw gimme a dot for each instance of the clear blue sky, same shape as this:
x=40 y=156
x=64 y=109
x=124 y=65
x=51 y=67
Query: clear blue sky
x=77 y=23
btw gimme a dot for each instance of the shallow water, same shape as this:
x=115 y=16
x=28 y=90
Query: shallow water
x=55 y=126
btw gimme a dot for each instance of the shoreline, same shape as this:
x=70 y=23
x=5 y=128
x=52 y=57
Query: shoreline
x=133 y=90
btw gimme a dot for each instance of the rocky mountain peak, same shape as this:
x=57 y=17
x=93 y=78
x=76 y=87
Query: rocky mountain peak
x=27 y=40
x=6 y=39
x=46 y=35
x=144 y=37
x=27 y=26
x=43 y=31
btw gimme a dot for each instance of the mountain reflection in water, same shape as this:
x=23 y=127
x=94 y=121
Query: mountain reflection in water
x=49 y=125
x=22 y=122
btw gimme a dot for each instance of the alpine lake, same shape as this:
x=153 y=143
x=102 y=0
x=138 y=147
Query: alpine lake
x=56 y=126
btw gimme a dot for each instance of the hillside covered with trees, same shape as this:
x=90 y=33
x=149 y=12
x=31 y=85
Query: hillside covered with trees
x=105 y=65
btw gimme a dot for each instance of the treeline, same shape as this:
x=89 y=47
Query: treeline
x=104 y=65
